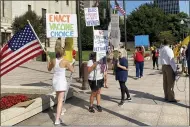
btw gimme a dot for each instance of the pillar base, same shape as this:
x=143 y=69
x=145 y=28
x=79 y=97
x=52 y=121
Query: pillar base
x=85 y=85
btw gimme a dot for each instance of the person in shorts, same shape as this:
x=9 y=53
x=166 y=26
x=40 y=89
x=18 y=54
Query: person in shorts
x=184 y=60
x=96 y=82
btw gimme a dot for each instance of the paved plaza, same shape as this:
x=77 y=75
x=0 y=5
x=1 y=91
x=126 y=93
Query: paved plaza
x=147 y=107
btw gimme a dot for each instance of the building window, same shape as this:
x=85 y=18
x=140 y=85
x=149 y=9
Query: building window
x=29 y=8
x=43 y=13
x=67 y=2
x=56 y=12
x=5 y=37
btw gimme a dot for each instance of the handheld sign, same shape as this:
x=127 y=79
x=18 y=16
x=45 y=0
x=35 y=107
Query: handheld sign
x=142 y=40
x=69 y=49
x=115 y=30
x=100 y=40
x=92 y=16
x=61 y=25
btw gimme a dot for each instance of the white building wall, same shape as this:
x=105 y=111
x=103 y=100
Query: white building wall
x=6 y=20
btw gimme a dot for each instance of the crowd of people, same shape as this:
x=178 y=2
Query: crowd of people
x=97 y=73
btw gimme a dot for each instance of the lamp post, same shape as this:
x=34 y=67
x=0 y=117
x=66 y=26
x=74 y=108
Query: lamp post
x=79 y=37
x=5 y=29
x=125 y=25
x=182 y=23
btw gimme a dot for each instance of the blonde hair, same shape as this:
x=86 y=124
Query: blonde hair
x=59 y=50
x=123 y=52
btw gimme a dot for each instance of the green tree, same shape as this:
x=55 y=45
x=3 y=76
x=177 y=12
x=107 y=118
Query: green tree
x=35 y=20
x=146 y=20
x=103 y=15
x=173 y=24
x=86 y=35
x=166 y=35
x=87 y=32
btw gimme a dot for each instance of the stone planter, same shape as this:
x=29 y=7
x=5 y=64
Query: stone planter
x=15 y=115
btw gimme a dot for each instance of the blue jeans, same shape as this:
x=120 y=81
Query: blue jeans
x=139 y=69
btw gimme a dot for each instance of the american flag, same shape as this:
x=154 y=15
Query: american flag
x=120 y=9
x=22 y=47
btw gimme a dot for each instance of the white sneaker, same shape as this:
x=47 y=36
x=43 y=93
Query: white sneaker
x=63 y=111
x=57 y=122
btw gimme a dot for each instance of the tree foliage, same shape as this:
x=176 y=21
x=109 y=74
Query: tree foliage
x=146 y=20
x=87 y=32
x=173 y=24
x=35 y=20
x=86 y=35
x=151 y=20
x=168 y=36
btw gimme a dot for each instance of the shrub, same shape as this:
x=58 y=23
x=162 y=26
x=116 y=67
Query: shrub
x=9 y=101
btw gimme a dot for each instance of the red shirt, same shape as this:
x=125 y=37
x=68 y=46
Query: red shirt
x=74 y=54
x=139 y=56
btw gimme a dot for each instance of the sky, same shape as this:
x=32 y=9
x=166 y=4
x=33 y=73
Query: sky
x=131 y=5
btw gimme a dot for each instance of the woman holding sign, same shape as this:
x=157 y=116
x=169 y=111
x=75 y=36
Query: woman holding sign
x=96 y=81
x=60 y=85
x=139 y=61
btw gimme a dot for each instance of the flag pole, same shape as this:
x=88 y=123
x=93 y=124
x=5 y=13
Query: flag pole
x=36 y=35
x=125 y=25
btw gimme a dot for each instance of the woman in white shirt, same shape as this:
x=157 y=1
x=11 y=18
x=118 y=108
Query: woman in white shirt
x=96 y=81
x=60 y=85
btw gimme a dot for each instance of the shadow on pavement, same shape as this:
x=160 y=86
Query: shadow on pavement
x=76 y=86
x=133 y=77
x=155 y=73
x=105 y=97
x=139 y=94
x=35 y=70
x=76 y=101
x=50 y=111
x=36 y=84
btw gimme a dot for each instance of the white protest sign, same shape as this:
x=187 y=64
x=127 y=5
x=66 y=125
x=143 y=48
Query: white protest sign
x=115 y=38
x=92 y=16
x=100 y=55
x=61 y=25
x=115 y=31
x=100 y=40
x=114 y=21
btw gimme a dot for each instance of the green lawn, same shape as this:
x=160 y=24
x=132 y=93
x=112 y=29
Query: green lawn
x=85 y=56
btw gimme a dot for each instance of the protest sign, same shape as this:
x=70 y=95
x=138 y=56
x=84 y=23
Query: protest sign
x=142 y=40
x=100 y=55
x=115 y=30
x=91 y=16
x=61 y=25
x=114 y=21
x=69 y=49
x=100 y=40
